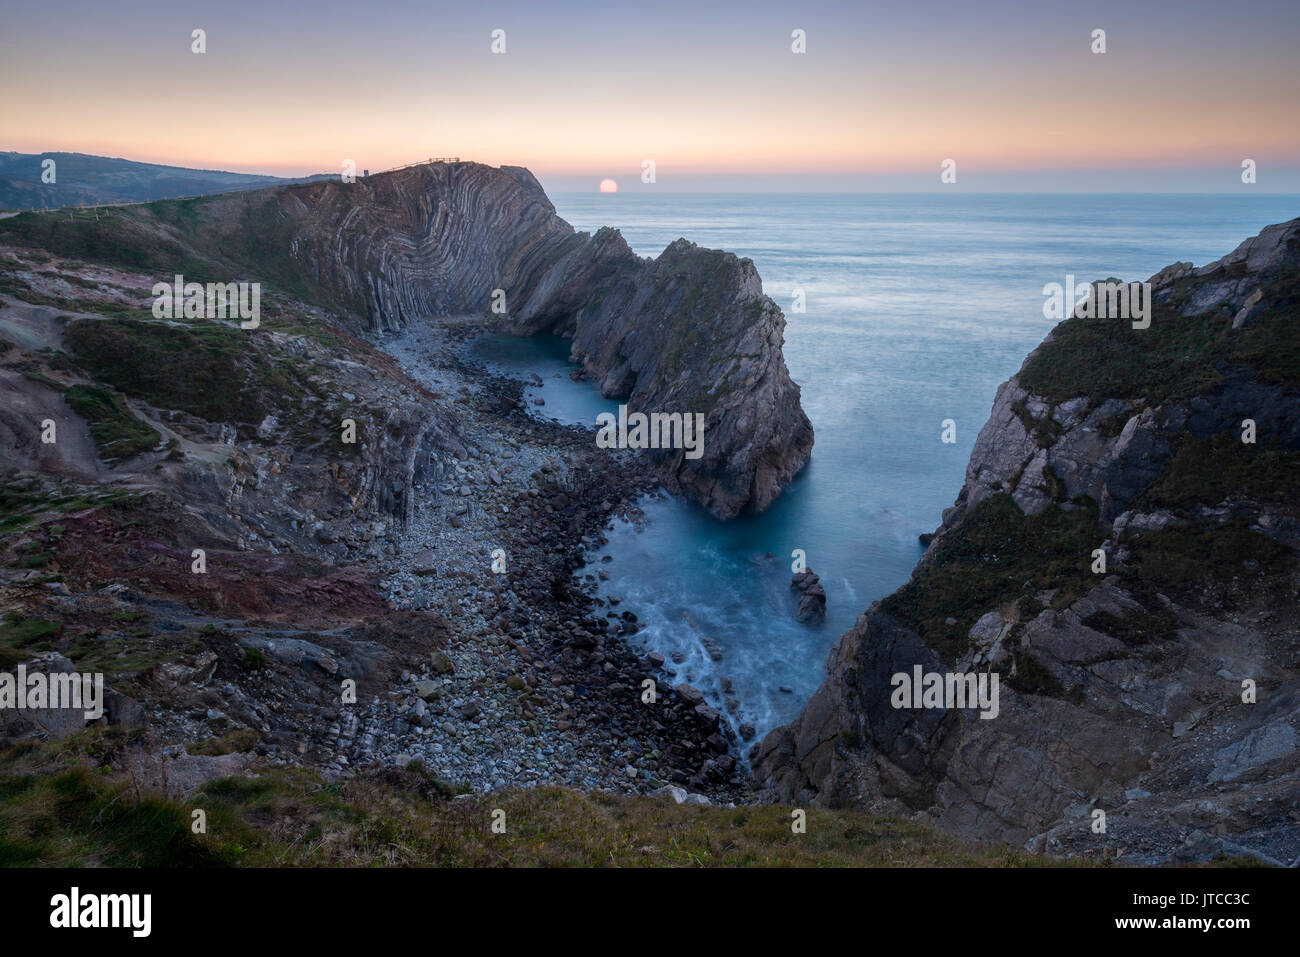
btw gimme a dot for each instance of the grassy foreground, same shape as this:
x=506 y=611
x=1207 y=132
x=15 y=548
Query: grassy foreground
x=63 y=804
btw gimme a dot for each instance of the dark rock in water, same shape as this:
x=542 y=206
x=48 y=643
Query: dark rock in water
x=710 y=716
x=711 y=647
x=925 y=538
x=812 y=597
x=692 y=696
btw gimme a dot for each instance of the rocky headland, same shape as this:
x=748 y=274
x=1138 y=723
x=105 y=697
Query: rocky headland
x=1158 y=685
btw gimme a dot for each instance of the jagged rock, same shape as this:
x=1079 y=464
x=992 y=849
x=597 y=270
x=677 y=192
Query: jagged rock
x=692 y=696
x=293 y=651
x=48 y=721
x=665 y=334
x=1130 y=696
x=811 y=595
x=680 y=795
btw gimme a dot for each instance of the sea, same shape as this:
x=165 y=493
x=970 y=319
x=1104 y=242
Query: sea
x=903 y=311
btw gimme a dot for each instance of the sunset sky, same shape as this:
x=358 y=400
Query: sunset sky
x=710 y=91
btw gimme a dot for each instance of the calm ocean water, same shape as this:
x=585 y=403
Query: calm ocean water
x=917 y=308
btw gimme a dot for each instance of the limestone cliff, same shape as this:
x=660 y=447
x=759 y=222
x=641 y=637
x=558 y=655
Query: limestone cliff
x=1122 y=690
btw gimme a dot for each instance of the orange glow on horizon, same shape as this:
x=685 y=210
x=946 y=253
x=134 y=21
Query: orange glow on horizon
x=728 y=106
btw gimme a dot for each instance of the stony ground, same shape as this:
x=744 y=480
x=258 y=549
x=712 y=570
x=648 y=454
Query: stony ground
x=523 y=693
x=453 y=604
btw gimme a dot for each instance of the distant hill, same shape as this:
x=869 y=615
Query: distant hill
x=81 y=178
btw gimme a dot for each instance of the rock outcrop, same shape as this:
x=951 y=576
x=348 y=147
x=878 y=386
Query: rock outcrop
x=811 y=596
x=1123 y=556
x=688 y=332
x=234 y=519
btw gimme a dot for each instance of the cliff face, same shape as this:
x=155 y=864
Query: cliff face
x=285 y=506
x=689 y=332
x=1127 y=689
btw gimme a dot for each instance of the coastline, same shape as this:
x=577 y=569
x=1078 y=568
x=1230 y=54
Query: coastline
x=545 y=686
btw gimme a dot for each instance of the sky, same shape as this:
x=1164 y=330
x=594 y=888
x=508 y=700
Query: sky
x=712 y=92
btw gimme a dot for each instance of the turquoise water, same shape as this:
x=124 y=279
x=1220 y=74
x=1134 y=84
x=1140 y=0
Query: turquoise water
x=917 y=308
x=546 y=358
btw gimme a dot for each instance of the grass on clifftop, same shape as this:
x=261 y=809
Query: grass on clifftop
x=1176 y=357
x=75 y=814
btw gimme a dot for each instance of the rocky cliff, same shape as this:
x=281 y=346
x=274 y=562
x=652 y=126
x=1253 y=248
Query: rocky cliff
x=688 y=332
x=228 y=522
x=1159 y=687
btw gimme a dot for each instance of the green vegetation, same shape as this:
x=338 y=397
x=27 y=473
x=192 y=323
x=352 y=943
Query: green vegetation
x=115 y=237
x=113 y=653
x=1134 y=630
x=20 y=506
x=1176 y=357
x=994 y=556
x=1046 y=431
x=61 y=804
x=210 y=370
x=74 y=818
x=118 y=434
x=254 y=658
x=224 y=236
x=1207 y=471
x=1032 y=677
x=1184 y=559
x=21 y=638
x=1271 y=343
x=236 y=741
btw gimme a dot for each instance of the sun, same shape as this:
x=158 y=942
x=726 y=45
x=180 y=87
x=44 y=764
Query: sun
x=608 y=186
